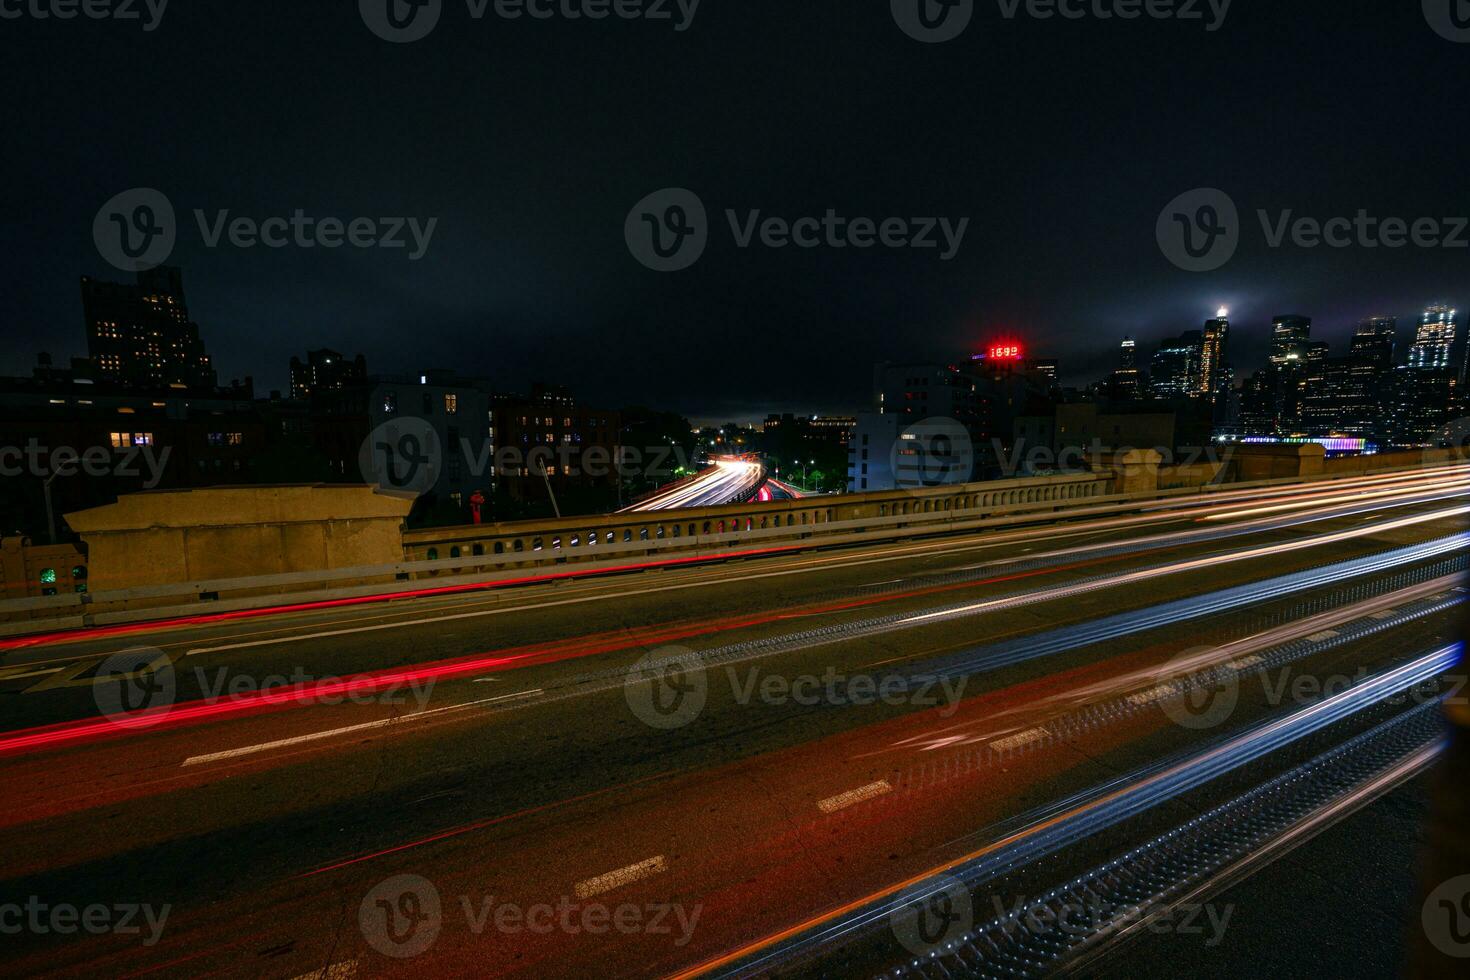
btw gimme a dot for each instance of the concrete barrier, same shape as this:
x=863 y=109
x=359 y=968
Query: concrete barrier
x=467 y=557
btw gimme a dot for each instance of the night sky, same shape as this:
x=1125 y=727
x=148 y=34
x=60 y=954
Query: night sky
x=530 y=141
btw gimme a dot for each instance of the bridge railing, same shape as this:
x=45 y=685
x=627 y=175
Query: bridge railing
x=443 y=560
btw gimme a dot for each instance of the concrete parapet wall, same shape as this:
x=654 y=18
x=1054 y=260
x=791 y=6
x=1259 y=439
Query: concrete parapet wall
x=164 y=537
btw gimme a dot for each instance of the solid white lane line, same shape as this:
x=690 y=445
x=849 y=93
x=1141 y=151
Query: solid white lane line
x=282 y=743
x=199 y=760
x=619 y=878
x=843 y=800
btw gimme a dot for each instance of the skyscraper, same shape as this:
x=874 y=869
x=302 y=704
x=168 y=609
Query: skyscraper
x=1435 y=341
x=1290 y=335
x=1375 y=341
x=1127 y=382
x=141 y=335
x=1214 y=375
x=1176 y=366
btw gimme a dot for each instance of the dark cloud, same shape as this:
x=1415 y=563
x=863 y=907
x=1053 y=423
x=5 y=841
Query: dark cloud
x=530 y=141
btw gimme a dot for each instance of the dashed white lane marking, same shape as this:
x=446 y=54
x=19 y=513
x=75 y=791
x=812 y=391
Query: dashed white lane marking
x=619 y=878
x=1019 y=739
x=282 y=743
x=843 y=800
x=1324 y=635
x=345 y=970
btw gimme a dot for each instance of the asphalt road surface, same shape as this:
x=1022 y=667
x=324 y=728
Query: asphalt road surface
x=679 y=771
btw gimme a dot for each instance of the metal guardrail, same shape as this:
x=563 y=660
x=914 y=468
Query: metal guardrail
x=490 y=569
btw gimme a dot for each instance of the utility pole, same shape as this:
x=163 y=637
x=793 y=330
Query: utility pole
x=50 y=511
x=547 y=479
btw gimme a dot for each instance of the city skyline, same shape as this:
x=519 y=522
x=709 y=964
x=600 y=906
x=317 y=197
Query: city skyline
x=1248 y=348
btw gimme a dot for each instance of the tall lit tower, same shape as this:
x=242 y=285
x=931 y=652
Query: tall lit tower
x=1435 y=340
x=1213 y=373
x=1373 y=344
x=1290 y=336
x=1127 y=380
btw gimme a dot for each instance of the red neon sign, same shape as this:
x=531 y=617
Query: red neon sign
x=1005 y=352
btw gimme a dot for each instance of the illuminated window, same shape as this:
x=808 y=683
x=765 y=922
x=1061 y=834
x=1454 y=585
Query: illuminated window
x=451 y=404
x=122 y=440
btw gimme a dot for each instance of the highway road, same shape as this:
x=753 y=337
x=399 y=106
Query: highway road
x=732 y=479
x=742 y=768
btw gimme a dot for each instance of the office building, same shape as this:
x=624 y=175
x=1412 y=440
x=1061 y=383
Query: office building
x=140 y=334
